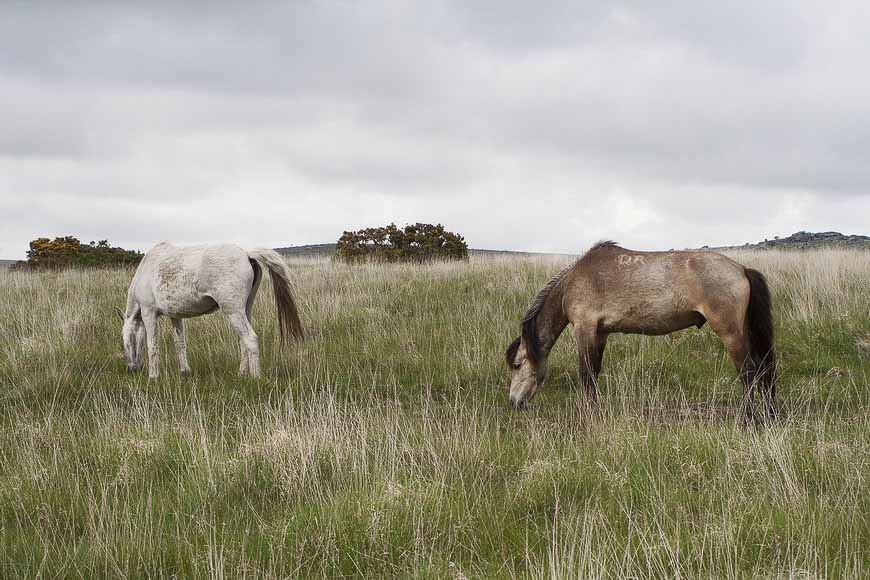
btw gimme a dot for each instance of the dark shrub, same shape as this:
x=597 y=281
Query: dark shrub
x=67 y=252
x=414 y=243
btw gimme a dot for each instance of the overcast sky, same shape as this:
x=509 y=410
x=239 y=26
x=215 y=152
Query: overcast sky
x=522 y=125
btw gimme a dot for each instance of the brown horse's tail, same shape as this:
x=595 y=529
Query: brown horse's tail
x=288 y=316
x=759 y=321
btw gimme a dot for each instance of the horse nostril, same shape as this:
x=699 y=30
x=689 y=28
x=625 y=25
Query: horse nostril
x=520 y=405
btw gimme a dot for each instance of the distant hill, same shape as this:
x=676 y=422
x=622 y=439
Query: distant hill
x=309 y=250
x=796 y=241
x=809 y=240
x=480 y=252
x=320 y=250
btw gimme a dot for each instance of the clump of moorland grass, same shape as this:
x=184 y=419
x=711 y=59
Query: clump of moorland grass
x=384 y=445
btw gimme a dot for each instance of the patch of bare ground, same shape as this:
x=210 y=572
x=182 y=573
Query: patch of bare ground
x=691 y=411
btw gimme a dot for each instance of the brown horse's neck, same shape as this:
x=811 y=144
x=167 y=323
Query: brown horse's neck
x=551 y=321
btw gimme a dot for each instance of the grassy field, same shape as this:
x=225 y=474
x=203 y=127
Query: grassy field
x=384 y=445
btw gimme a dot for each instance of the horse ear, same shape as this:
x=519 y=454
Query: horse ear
x=119 y=313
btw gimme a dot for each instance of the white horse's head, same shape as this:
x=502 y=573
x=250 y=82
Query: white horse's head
x=527 y=374
x=133 y=335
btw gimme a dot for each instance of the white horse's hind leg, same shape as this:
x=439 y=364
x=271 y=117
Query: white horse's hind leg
x=180 y=345
x=248 y=339
x=149 y=317
x=245 y=364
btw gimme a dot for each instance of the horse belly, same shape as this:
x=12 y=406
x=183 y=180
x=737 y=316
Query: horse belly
x=183 y=300
x=204 y=305
x=652 y=323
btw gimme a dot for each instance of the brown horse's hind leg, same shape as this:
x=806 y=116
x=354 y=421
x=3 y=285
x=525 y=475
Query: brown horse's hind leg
x=768 y=396
x=590 y=348
x=737 y=343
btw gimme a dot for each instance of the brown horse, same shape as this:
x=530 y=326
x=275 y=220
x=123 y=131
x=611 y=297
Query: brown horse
x=611 y=289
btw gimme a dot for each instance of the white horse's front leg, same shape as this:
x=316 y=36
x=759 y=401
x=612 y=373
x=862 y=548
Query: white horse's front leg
x=180 y=345
x=149 y=317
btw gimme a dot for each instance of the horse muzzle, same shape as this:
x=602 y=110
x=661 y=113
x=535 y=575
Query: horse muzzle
x=520 y=404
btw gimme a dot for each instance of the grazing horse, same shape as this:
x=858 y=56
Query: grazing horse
x=610 y=289
x=183 y=282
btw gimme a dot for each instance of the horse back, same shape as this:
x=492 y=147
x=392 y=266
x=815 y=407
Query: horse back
x=185 y=281
x=653 y=292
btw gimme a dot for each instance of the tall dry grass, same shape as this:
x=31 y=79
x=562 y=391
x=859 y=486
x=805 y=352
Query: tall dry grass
x=384 y=446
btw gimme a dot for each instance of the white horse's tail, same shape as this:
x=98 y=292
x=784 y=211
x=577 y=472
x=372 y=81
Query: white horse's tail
x=288 y=316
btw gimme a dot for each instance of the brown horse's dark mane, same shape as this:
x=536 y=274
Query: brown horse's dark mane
x=599 y=245
x=530 y=320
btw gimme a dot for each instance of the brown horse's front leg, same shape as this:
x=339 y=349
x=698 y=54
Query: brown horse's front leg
x=587 y=376
x=590 y=348
x=600 y=344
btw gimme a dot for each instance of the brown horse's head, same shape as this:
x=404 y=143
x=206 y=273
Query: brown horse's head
x=527 y=355
x=527 y=373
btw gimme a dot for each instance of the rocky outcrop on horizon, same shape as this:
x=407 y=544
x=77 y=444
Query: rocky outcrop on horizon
x=810 y=240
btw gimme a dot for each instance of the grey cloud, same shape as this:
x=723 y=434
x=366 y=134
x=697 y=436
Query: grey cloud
x=483 y=114
x=296 y=47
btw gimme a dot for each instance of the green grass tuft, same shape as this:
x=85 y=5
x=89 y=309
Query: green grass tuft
x=384 y=445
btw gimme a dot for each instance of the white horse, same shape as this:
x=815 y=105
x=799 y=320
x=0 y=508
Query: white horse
x=183 y=282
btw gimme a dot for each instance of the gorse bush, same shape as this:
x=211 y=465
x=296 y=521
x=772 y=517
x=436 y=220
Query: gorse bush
x=68 y=251
x=413 y=243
